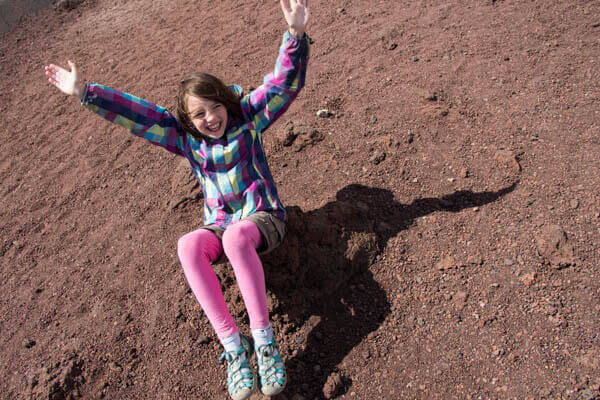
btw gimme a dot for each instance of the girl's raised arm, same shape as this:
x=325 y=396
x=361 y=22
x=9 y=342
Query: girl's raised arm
x=141 y=117
x=279 y=89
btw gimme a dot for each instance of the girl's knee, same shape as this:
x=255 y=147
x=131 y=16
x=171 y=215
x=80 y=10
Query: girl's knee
x=198 y=243
x=187 y=243
x=241 y=235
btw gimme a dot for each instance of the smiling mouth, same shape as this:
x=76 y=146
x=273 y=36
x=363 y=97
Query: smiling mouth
x=214 y=127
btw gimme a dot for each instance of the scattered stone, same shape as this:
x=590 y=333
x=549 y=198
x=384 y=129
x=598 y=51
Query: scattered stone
x=392 y=46
x=332 y=386
x=574 y=203
x=508 y=159
x=203 y=339
x=324 y=113
x=377 y=157
x=28 y=343
x=475 y=259
x=553 y=245
x=289 y=136
x=445 y=263
x=415 y=59
x=460 y=300
x=305 y=136
x=528 y=279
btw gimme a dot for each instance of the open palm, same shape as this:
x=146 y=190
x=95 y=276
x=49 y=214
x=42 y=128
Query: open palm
x=66 y=81
x=296 y=14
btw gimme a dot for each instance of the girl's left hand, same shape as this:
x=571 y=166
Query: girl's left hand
x=296 y=15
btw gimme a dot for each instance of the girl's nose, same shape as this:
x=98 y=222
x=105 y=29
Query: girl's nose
x=210 y=115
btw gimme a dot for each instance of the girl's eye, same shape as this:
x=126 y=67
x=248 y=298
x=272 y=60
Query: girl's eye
x=217 y=106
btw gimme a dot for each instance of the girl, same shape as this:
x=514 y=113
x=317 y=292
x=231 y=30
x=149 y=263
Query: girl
x=220 y=133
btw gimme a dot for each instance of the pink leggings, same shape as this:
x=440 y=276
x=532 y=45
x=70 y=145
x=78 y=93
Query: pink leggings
x=198 y=249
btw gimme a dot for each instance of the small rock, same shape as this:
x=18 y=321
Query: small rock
x=460 y=300
x=574 y=203
x=445 y=263
x=508 y=159
x=332 y=386
x=28 y=343
x=203 y=339
x=377 y=157
x=553 y=245
x=415 y=59
x=324 y=113
x=474 y=259
x=289 y=137
x=528 y=278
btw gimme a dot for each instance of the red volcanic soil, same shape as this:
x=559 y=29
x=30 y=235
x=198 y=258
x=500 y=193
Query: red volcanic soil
x=444 y=219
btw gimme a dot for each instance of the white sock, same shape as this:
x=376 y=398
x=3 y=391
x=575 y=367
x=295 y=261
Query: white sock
x=233 y=342
x=262 y=336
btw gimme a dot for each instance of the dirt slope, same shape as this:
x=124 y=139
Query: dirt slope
x=444 y=220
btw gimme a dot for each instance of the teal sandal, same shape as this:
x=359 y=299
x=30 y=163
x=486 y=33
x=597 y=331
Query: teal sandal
x=271 y=370
x=241 y=380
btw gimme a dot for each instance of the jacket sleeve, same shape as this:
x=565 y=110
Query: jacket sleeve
x=140 y=117
x=269 y=101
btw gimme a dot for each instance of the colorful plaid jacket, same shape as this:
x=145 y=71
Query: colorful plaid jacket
x=233 y=169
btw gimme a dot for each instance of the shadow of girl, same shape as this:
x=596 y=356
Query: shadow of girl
x=321 y=292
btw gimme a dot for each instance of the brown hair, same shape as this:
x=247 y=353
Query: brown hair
x=201 y=84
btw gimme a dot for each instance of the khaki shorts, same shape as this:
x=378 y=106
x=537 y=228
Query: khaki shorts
x=272 y=229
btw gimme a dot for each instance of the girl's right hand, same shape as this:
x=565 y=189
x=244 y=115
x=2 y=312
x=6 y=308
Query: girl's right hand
x=67 y=82
x=296 y=15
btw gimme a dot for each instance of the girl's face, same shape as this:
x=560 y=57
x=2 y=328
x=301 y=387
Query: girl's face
x=208 y=116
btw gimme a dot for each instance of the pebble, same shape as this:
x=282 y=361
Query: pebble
x=377 y=157
x=333 y=384
x=203 y=339
x=528 y=279
x=445 y=263
x=508 y=159
x=574 y=203
x=324 y=113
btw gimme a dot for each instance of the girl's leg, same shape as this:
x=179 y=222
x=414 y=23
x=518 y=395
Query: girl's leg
x=196 y=251
x=240 y=242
